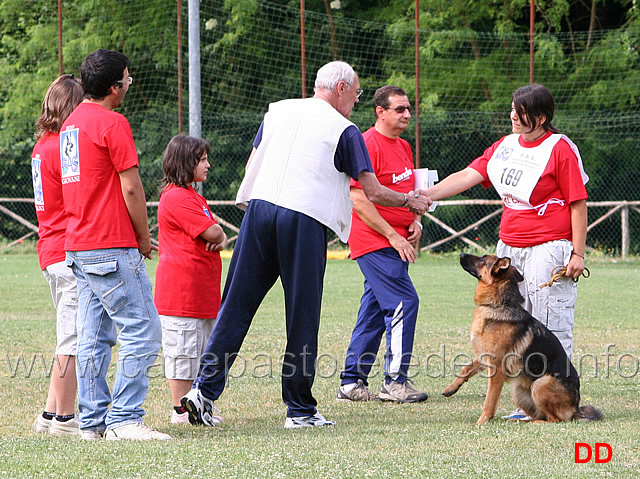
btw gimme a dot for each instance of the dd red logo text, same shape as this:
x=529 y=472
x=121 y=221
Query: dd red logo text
x=590 y=452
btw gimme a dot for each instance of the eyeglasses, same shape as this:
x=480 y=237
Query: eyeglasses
x=400 y=109
x=128 y=81
x=359 y=92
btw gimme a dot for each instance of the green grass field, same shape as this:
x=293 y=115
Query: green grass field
x=434 y=439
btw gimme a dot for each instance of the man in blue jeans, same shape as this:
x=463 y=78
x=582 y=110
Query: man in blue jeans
x=296 y=187
x=107 y=240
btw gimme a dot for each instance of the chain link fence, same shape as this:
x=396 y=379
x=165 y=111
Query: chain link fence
x=251 y=56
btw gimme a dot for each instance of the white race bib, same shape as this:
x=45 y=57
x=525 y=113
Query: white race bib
x=514 y=171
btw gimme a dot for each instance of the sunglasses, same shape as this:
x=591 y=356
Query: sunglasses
x=400 y=109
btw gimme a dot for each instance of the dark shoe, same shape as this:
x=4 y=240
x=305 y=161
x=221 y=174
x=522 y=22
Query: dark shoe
x=358 y=393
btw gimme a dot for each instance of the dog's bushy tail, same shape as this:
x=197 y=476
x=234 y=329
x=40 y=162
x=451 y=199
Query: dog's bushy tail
x=588 y=413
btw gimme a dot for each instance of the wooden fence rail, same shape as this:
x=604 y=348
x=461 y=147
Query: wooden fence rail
x=612 y=207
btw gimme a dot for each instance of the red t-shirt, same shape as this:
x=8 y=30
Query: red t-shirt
x=96 y=144
x=392 y=162
x=560 y=179
x=188 y=276
x=47 y=189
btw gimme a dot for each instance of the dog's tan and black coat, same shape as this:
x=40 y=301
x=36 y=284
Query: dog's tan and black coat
x=511 y=345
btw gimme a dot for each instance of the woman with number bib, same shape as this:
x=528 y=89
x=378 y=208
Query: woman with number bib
x=538 y=173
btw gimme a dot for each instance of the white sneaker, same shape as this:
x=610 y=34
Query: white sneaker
x=136 y=432
x=518 y=415
x=307 y=421
x=201 y=409
x=91 y=434
x=68 y=428
x=179 y=418
x=41 y=425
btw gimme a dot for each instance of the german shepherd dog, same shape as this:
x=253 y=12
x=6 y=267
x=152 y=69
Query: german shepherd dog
x=513 y=346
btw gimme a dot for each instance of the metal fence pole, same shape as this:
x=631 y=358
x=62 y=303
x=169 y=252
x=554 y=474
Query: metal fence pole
x=303 y=52
x=195 y=105
x=416 y=120
x=195 y=101
x=532 y=51
x=179 y=41
x=60 y=66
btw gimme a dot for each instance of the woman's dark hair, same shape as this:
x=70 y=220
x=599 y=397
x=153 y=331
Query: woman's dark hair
x=381 y=96
x=530 y=103
x=63 y=95
x=182 y=155
x=101 y=70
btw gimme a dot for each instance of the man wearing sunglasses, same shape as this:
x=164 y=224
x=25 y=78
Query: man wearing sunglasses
x=382 y=241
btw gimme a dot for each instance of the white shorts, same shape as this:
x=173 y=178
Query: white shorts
x=183 y=343
x=64 y=293
x=554 y=306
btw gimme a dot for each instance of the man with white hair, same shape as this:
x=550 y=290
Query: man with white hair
x=296 y=186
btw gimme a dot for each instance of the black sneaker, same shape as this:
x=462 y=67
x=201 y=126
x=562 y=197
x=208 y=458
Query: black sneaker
x=201 y=410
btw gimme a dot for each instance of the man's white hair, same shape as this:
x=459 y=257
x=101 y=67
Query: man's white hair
x=330 y=74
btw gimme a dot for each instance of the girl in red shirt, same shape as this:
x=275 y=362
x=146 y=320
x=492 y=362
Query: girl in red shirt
x=187 y=289
x=63 y=95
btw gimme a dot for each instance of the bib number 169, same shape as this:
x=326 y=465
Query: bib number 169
x=510 y=176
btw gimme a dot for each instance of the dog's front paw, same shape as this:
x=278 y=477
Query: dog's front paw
x=450 y=390
x=483 y=420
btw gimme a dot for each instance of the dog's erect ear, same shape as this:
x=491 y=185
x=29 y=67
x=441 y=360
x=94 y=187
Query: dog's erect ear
x=517 y=275
x=501 y=266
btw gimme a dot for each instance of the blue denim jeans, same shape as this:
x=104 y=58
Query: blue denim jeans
x=115 y=305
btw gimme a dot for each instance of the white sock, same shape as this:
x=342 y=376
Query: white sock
x=349 y=387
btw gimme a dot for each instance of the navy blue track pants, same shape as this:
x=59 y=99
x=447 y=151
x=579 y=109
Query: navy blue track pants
x=273 y=242
x=389 y=304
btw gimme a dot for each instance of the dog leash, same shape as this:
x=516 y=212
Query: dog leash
x=559 y=271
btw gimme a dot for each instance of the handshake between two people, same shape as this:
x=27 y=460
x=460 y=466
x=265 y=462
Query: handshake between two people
x=418 y=201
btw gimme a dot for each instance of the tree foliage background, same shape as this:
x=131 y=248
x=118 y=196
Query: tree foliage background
x=473 y=54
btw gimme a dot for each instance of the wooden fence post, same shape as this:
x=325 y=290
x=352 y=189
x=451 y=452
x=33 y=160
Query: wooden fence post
x=624 y=217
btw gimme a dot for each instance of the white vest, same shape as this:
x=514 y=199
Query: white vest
x=514 y=171
x=293 y=166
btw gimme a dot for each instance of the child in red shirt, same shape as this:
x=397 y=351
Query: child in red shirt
x=187 y=291
x=62 y=97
